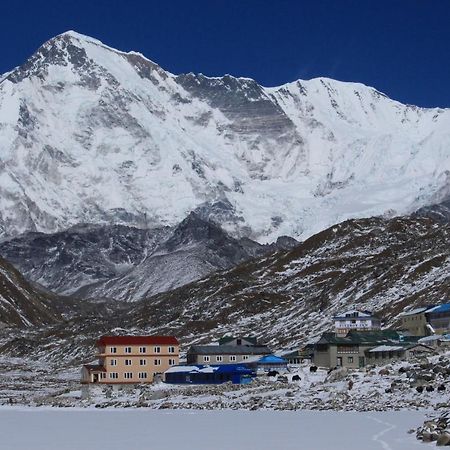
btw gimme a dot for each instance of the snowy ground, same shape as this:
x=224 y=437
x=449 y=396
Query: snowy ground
x=136 y=429
x=24 y=383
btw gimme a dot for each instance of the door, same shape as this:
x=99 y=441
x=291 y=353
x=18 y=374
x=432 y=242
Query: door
x=339 y=361
x=362 y=361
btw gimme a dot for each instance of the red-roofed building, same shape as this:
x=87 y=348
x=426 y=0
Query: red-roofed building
x=131 y=359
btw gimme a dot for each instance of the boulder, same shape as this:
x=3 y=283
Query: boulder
x=337 y=375
x=443 y=440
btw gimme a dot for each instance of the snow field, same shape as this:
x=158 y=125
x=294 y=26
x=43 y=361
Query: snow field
x=47 y=429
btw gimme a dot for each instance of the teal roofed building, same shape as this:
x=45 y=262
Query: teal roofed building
x=352 y=350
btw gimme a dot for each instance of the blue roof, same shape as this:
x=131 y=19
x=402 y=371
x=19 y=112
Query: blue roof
x=440 y=309
x=272 y=359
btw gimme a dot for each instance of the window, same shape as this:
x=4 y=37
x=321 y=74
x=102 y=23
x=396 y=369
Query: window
x=103 y=375
x=113 y=349
x=113 y=362
x=128 y=362
x=232 y=358
x=238 y=341
x=142 y=349
x=142 y=375
x=350 y=359
x=128 y=375
x=171 y=349
x=113 y=375
x=245 y=357
x=127 y=349
x=172 y=362
x=157 y=362
x=157 y=349
x=206 y=359
x=142 y=362
x=219 y=358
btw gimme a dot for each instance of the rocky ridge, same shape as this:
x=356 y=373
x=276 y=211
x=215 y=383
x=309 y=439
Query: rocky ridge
x=126 y=263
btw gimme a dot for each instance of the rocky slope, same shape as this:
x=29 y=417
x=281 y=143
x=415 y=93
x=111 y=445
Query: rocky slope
x=289 y=298
x=439 y=212
x=21 y=304
x=89 y=134
x=285 y=299
x=126 y=263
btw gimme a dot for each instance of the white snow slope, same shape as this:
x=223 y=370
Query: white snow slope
x=91 y=134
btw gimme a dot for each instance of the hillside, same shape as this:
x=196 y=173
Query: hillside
x=23 y=305
x=285 y=299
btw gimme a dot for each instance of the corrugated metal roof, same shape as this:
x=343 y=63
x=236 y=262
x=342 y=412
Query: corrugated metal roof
x=229 y=350
x=350 y=315
x=414 y=311
x=224 y=340
x=137 y=340
x=360 y=337
x=386 y=348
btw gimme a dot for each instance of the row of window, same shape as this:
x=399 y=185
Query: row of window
x=142 y=362
x=127 y=375
x=143 y=349
x=219 y=358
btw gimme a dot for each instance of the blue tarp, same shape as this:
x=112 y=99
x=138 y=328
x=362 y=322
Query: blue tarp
x=202 y=374
x=271 y=359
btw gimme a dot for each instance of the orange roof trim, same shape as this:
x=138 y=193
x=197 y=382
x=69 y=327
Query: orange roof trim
x=137 y=340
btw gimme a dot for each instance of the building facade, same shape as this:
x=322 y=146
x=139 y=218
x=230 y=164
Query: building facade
x=352 y=350
x=385 y=354
x=427 y=321
x=131 y=359
x=415 y=322
x=357 y=321
x=224 y=354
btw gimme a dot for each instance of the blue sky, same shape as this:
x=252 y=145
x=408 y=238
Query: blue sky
x=401 y=47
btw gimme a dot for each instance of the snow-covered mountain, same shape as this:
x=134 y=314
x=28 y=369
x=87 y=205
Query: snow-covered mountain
x=89 y=134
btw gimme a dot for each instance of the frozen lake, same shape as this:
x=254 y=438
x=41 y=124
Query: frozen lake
x=136 y=429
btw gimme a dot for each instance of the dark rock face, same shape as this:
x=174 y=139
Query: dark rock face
x=241 y=100
x=82 y=255
x=53 y=52
x=439 y=212
x=128 y=263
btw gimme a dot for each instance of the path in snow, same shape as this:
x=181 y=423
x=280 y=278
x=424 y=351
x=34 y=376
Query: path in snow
x=139 y=429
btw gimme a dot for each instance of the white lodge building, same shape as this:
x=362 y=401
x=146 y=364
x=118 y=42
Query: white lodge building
x=356 y=320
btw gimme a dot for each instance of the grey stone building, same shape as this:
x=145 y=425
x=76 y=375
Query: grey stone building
x=224 y=354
